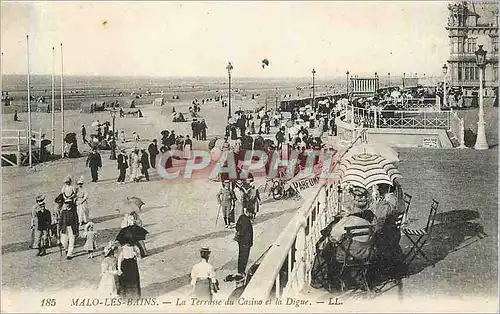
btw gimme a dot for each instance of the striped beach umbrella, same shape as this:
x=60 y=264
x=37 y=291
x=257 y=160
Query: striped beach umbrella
x=366 y=170
x=374 y=148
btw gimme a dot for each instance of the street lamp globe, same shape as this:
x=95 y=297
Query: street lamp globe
x=445 y=69
x=229 y=67
x=481 y=57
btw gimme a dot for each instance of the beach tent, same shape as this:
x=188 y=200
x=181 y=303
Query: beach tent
x=100 y=105
x=87 y=107
x=158 y=102
x=131 y=103
x=42 y=107
x=92 y=106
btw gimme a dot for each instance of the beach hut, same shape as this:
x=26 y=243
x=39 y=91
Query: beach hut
x=158 y=102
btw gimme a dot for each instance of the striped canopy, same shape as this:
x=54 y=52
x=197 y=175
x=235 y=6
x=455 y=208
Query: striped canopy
x=365 y=170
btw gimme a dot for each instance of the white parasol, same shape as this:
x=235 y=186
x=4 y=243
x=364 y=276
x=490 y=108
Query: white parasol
x=366 y=170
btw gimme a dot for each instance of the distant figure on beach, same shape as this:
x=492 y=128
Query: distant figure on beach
x=84 y=134
x=135 y=136
x=15 y=116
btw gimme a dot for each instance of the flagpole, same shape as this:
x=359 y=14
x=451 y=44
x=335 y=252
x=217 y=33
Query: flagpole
x=53 y=137
x=29 y=102
x=62 y=105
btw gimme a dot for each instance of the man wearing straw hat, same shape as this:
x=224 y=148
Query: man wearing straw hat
x=225 y=198
x=40 y=225
x=203 y=278
x=68 y=221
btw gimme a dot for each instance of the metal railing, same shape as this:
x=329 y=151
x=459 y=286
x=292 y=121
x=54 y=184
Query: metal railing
x=404 y=119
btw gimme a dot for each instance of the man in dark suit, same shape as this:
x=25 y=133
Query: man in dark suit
x=122 y=166
x=153 y=151
x=94 y=162
x=244 y=237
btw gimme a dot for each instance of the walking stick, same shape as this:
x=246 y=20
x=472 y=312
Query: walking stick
x=218 y=213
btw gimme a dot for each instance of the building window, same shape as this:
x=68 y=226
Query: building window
x=471 y=45
x=459 y=72
x=495 y=73
x=494 y=44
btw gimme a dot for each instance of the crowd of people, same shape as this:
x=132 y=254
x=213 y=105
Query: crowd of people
x=239 y=200
x=70 y=220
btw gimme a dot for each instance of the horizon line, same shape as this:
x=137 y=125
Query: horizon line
x=208 y=76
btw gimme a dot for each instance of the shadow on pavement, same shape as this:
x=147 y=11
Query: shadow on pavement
x=15 y=247
x=118 y=215
x=160 y=288
x=216 y=234
x=453 y=233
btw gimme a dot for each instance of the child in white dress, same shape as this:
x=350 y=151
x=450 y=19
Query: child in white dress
x=109 y=273
x=90 y=243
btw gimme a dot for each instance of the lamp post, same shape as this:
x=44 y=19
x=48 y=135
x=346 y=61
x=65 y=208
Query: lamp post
x=445 y=99
x=113 y=141
x=276 y=97
x=389 y=76
x=313 y=73
x=376 y=86
x=481 y=143
x=229 y=67
x=347 y=84
x=404 y=74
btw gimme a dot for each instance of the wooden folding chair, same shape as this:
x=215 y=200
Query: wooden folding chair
x=353 y=266
x=421 y=235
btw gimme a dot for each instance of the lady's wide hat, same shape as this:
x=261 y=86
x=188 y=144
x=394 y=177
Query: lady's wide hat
x=40 y=199
x=67 y=179
x=205 y=250
x=89 y=224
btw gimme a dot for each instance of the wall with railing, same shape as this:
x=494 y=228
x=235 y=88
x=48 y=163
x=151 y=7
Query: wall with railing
x=286 y=268
x=16 y=142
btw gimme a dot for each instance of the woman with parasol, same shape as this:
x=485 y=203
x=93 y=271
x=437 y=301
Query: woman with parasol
x=132 y=220
x=129 y=283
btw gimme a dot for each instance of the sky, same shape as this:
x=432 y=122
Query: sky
x=200 y=38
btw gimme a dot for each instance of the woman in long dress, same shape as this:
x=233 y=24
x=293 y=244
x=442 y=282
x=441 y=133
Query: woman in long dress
x=129 y=282
x=188 y=147
x=108 y=286
x=82 y=205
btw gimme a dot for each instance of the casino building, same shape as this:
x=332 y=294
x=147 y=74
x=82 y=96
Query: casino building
x=472 y=23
